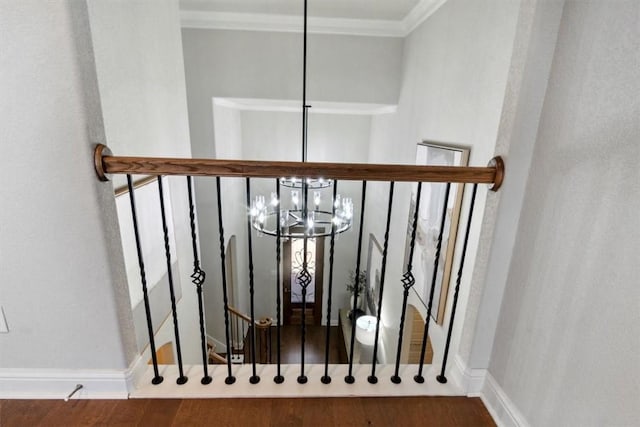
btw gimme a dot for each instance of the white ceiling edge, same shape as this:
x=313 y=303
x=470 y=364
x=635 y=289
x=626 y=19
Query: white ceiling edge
x=317 y=107
x=289 y=24
x=421 y=11
x=317 y=25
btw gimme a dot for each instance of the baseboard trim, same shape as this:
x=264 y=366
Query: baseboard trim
x=58 y=383
x=469 y=380
x=502 y=409
x=480 y=383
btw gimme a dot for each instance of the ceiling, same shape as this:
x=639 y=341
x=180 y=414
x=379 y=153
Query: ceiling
x=394 y=10
x=390 y=18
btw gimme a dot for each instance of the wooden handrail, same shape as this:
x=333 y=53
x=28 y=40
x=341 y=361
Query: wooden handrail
x=217 y=357
x=240 y=314
x=106 y=164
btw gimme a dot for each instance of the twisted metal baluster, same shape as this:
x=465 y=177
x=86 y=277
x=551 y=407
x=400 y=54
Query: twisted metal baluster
x=441 y=378
x=407 y=282
x=419 y=378
x=255 y=379
x=157 y=378
x=349 y=379
x=372 y=378
x=278 y=379
x=326 y=379
x=304 y=280
x=223 y=264
x=198 y=278
x=167 y=251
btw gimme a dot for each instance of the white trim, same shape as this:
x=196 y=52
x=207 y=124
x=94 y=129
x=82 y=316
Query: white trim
x=289 y=23
x=318 y=25
x=22 y=383
x=469 y=380
x=317 y=107
x=480 y=383
x=242 y=388
x=135 y=373
x=421 y=11
x=502 y=409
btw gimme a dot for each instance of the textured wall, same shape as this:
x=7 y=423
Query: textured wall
x=534 y=46
x=139 y=64
x=453 y=85
x=568 y=341
x=61 y=268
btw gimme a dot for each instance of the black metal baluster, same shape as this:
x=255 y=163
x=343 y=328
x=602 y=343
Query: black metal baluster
x=167 y=250
x=255 y=379
x=419 y=378
x=198 y=278
x=441 y=378
x=278 y=379
x=372 y=378
x=304 y=279
x=223 y=267
x=326 y=379
x=349 y=379
x=407 y=282
x=157 y=378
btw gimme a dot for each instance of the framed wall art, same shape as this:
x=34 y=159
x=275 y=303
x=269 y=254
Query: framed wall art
x=429 y=218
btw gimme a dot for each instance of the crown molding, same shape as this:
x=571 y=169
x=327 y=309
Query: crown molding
x=316 y=25
x=420 y=12
x=289 y=24
x=318 y=107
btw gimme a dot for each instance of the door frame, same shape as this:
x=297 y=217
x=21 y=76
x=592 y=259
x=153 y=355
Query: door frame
x=288 y=306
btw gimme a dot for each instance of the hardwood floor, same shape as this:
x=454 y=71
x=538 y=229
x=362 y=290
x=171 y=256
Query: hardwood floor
x=354 y=411
x=315 y=339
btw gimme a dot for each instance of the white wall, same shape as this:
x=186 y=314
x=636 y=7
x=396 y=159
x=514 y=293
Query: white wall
x=63 y=281
x=453 y=84
x=534 y=46
x=268 y=65
x=567 y=346
x=138 y=54
x=62 y=277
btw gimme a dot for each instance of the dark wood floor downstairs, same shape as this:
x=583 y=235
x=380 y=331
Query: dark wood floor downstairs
x=353 y=411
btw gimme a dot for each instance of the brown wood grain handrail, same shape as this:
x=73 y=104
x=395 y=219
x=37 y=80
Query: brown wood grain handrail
x=240 y=314
x=105 y=164
x=217 y=357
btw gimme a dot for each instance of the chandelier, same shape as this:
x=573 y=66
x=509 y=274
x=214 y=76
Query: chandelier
x=301 y=218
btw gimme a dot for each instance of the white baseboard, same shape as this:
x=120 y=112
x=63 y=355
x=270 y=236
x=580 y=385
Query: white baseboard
x=469 y=380
x=58 y=383
x=502 y=409
x=480 y=383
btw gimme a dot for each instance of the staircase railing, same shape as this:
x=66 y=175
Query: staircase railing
x=493 y=174
x=242 y=330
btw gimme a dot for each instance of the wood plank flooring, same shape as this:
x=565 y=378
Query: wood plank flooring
x=315 y=339
x=354 y=411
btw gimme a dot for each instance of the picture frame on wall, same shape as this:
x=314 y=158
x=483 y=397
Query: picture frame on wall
x=428 y=226
x=374 y=272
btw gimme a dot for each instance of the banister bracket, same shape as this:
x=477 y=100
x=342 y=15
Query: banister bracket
x=101 y=150
x=498 y=164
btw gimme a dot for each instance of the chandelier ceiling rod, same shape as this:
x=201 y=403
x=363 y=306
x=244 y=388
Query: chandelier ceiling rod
x=299 y=220
x=304 y=86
